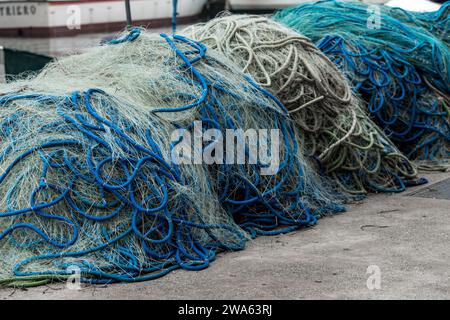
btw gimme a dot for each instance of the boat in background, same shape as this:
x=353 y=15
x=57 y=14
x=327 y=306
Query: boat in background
x=14 y=63
x=263 y=4
x=270 y=5
x=37 y=18
x=417 y=5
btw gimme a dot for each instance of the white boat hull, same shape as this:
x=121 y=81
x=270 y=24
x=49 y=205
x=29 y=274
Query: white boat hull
x=279 y=4
x=263 y=4
x=56 y=17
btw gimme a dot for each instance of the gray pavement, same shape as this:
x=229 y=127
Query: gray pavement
x=405 y=238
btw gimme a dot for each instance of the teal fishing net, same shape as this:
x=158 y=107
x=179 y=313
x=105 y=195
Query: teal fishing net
x=400 y=69
x=436 y=23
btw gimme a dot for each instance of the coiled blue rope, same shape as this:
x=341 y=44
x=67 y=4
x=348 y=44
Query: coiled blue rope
x=171 y=233
x=398 y=97
x=401 y=70
x=436 y=23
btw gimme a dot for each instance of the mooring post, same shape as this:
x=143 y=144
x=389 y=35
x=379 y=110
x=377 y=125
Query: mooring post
x=128 y=13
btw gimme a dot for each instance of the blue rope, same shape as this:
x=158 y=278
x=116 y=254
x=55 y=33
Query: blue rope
x=397 y=97
x=436 y=23
x=129 y=37
x=171 y=232
x=401 y=70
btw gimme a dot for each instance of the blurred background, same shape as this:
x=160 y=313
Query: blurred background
x=33 y=32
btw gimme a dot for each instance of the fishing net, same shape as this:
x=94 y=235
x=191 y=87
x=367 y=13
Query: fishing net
x=437 y=23
x=88 y=178
x=402 y=71
x=337 y=132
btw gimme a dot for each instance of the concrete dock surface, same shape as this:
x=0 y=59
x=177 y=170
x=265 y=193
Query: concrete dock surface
x=389 y=246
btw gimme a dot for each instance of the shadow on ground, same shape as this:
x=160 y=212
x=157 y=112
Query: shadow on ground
x=404 y=236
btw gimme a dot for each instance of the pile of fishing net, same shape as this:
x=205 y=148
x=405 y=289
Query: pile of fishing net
x=437 y=23
x=396 y=60
x=88 y=178
x=336 y=130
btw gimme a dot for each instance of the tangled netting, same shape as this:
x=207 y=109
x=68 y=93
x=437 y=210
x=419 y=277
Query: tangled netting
x=337 y=132
x=401 y=70
x=437 y=23
x=88 y=179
